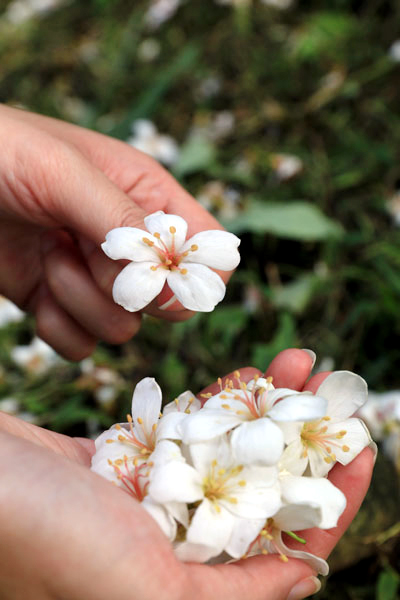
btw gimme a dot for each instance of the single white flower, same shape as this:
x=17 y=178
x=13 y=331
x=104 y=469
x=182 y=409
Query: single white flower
x=253 y=412
x=9 y=312
x=163 y=256
x=146 y=138
x=286 y=166
x=318 y=444
x=394 y=51
x=36 y=358
x=225 y=493
x=161 y=11
x=307 y=502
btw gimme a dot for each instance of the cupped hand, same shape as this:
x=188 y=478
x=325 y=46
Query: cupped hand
x=67 y=533
x=62 y=188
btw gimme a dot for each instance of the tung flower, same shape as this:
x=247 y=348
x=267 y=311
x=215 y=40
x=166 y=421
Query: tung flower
x=225 y=492
x=318 y=444
x=253 y=411
x=163 y=256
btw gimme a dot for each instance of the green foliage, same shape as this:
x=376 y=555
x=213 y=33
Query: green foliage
x=297 y=221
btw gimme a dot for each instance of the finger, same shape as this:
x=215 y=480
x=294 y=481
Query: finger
x=315 y=381
x=75 y=291
x=257 y=578
x=59 y=330
x=291 y=368
x=56 y=442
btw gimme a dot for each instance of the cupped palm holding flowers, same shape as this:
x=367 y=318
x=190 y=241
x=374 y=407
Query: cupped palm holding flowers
x=164 y=255
x=217 y=478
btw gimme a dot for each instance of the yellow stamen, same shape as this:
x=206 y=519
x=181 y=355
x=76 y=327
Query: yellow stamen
x=183 y=271
x=172 y=229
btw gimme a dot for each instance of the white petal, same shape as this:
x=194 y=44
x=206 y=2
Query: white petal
x=188 y=552
x=204 y=454
x=175 y=482
x=256 y=499
x=169 y=426
x=317 y=564
x=258 y=442
x=159 y=222
x=357 y=438
x=164 y=520
x=114 y=450
x=226 y=402
x=146 y=404
x=137 y=285
x=293 y=459
x=207 y=424
x=244 y=532
x=127 y=243
x=211 y=526
x=164 y=452
x=301 y=407
x=345 y=392
x=315 y=492
x=200 y=289
x=185 y=402
x=318 y=466
x=216 y=249
x=294 y=517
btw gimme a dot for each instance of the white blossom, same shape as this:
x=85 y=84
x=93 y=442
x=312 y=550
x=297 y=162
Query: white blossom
x=227 y=492
x=146 y=138
x=19 y=11
x=286 y=166
x=9 y=312
x=318 y=444
x=161 y=11
x=163 y=256
x=36 y=358
x=253 y=412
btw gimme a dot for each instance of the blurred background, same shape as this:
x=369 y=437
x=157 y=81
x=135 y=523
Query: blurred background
x=282 y=118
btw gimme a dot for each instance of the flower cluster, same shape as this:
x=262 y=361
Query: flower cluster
x=226 y=476
x=164 y=256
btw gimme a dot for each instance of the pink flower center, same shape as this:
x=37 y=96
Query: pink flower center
x=170 y=258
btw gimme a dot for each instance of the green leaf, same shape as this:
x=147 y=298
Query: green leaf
x=388 y=584
x=197 y=154
x=296 y=220
x=285 y=337
x=227 y=322
x=295 y=295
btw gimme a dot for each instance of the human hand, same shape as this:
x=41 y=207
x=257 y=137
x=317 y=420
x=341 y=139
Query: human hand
x=67 y=533
x=62 y=188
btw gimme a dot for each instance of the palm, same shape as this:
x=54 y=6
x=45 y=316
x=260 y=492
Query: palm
x=97 y=542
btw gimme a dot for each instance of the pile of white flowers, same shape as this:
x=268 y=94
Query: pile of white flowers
x=225 y=476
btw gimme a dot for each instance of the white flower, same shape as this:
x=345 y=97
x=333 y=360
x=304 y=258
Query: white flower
x=252 y=411
x=394 y=51
x=228 y=493
x=104 y=382
x=307 y=502
x=164 y=256
x=19 y=11
x=318 y=444
x=147 y=139
x=286 y=166
x=36 y=358
x=224 y=201
x=9 y=312
x=161 y=11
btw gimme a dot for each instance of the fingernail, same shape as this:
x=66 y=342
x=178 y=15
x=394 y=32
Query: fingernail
x=311 y=354
x=48 y=241
x=304 y=588
x=374 y=449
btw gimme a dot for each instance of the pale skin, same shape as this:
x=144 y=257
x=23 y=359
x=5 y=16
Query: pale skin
x=62 y=188
x=68 y=534
x=65 y=533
